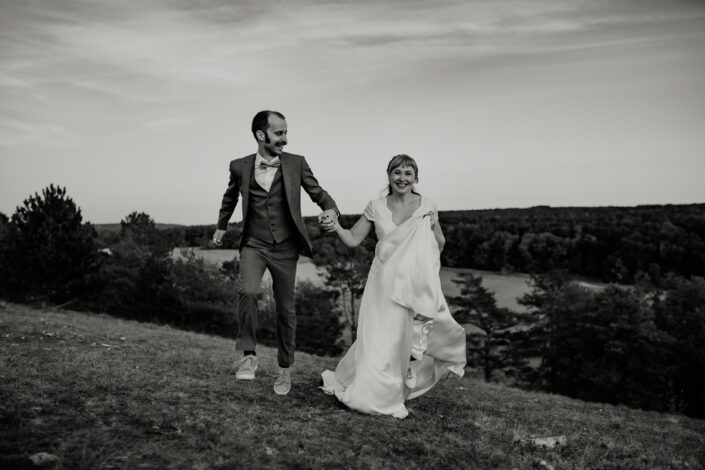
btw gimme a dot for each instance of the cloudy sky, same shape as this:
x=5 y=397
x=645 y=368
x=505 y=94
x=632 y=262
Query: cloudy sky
x=141 y=105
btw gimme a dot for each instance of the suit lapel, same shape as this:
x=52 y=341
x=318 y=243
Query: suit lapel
x=286 y=167
x=247 y=169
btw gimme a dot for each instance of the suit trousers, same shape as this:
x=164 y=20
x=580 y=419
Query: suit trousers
x=280 y=259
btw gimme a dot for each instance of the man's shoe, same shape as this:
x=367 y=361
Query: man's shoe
x=410 y=380
x=246 y=368
x=282 y=384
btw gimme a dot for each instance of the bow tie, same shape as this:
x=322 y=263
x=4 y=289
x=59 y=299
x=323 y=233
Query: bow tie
x=266 y=164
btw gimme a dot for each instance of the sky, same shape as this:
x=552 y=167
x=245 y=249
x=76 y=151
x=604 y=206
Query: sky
x=140 y=106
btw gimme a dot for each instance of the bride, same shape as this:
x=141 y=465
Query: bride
x=406 y=338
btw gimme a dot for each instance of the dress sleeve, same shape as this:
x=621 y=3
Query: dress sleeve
x=369 y=211
x=429 y=205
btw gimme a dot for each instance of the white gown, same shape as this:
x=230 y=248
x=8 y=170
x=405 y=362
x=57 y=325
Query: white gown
x=402 y=313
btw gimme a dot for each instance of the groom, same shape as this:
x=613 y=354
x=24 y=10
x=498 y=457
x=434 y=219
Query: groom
x=273 y=236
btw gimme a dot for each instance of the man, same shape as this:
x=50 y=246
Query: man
x=273 y=235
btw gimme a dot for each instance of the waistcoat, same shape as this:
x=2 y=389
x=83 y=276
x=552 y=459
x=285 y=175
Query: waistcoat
x=268 y=217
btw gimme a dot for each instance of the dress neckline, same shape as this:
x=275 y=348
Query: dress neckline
x=391 y=214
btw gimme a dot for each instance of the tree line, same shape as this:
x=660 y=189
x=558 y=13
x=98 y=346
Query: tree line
x=611 y=244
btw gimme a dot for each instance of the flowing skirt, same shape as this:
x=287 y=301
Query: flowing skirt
x=370 y=376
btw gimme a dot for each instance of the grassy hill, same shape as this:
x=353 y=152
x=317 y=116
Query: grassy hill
x=98 y=392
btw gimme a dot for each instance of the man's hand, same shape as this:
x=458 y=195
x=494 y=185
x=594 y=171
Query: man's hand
x=218 y=237
x=328 y=220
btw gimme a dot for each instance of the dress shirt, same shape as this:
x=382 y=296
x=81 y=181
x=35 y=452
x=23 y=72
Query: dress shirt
x=265 y=176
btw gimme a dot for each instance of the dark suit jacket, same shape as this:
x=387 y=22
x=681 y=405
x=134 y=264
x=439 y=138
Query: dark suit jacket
x=296 y=175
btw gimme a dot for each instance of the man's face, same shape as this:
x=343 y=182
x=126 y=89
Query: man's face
x=275 y=136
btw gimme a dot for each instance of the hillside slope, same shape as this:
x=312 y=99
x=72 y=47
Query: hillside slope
x=98 y=392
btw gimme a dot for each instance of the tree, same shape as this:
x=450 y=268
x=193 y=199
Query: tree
x=195 y=295
x=318 y=325
x=140 y=227
x=493 y=348
x=680 y=311
x=117 y=282
x=544 y=288
x=4 y=230
x=542 y=303
x=47 y=250
x=608 y=348
x=346 y=270
x=603 y=346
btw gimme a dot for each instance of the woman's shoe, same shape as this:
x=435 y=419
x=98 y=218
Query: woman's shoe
x=410 y=379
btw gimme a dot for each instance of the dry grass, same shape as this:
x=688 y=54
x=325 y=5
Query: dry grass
x=102 y=393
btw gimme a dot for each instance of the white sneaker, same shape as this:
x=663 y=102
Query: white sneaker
x=410 y=380
x=246 y=368
x=282 y=384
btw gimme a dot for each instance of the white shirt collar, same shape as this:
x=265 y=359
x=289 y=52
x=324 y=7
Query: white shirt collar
x=259 y=159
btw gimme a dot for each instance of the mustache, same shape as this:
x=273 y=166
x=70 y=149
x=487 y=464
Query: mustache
x=279 y=143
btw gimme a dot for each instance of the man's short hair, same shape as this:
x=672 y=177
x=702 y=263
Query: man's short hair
x=261 y=121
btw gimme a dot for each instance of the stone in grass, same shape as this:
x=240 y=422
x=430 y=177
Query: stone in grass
x=542 y=465
x=549 y=442
x=42 y=458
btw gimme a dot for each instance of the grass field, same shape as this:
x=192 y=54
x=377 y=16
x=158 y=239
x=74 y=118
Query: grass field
x=96 y=392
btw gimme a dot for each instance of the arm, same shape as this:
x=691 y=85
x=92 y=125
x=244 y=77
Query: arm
x=436 y=227
x=227 y=206
x=440 y=238
x=314 y=190
x=353 y=237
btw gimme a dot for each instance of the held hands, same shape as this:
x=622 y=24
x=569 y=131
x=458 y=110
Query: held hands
x=328 y=220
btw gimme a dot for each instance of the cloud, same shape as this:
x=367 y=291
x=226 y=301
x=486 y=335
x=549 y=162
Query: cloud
x=9 y=81
x=100 y=44
x=14 y=132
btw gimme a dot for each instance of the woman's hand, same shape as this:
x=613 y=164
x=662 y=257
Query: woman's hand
x=434 y=218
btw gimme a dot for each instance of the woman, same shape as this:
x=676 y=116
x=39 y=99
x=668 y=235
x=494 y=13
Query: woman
x=406 y=338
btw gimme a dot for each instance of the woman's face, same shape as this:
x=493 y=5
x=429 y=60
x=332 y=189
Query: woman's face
x=402 y=179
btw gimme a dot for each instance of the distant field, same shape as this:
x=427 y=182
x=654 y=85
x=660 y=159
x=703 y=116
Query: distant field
x=506 y=287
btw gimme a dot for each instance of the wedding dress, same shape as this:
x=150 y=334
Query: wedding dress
x=402 y=313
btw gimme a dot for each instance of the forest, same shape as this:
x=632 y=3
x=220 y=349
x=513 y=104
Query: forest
x=610 y=244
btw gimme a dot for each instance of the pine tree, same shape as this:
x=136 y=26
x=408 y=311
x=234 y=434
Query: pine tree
x=47 y=250
x=544 y=319
x=601 y=346
x=680 y=311
x=346 y=270
x=318 y=325
x=494 y=347
x=141 y=229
